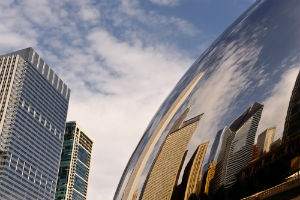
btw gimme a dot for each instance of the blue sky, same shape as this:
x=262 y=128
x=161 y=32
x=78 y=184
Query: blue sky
x=120 y=58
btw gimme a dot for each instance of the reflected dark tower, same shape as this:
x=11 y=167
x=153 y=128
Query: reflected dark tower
x=292 y=122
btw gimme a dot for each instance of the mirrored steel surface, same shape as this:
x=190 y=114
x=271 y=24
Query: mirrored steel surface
x=257 y=59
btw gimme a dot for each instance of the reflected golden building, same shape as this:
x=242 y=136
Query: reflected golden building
x=165 y=169
x=210 y=175
x=194 y=180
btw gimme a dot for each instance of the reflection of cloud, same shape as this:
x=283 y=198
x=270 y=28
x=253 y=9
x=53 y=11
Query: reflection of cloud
x=276 y=105
x=216 y=96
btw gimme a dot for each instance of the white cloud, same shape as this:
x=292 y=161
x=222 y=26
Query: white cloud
x=166 y=2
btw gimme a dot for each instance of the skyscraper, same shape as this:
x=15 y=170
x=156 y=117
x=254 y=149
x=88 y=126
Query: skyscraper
x=34 y=104
x=237 y=147
x=265 y=139
x=292 y=121
x=75 y=164
x=165 y=170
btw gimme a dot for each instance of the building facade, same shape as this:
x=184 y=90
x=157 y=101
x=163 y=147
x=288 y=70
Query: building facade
x=34 y=104
x=166 y=168
x=74 y=165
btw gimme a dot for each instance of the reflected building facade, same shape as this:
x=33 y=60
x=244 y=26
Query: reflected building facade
x=165 y=170
x=237 y=146
x=265 y=139
x=34 y=104
x=75 y=164
x=257 y=59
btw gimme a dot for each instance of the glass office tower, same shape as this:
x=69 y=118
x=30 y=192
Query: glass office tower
x=257 y=59
x=34 y=104
x=75 y=164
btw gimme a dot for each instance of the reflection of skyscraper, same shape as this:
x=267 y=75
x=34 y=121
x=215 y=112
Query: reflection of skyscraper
x=34 y=104
x=215 y=148
x=292 y=121
x=194 y=182
x=75 y=164
x=265 y=140
x=164 y=172
x=236 y=150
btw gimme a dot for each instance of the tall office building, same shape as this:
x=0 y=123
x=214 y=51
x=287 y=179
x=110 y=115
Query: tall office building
x=34 y=104
x=265 y=139
x=237 y=147
x=74 y=165
x=164 y=172
x=292 y=121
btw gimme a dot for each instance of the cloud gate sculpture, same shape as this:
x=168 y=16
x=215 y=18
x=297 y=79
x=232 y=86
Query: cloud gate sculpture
x=232 y=123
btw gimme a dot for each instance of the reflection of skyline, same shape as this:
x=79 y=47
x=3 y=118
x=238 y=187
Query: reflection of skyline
x=241 y=67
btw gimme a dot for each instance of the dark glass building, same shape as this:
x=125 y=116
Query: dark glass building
x=74 y=165
x=34 y=104
x=257 y=59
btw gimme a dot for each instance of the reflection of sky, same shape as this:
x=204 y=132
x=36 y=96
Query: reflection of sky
x=257 y=59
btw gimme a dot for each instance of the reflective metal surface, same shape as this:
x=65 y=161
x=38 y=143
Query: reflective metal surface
x=257 y=59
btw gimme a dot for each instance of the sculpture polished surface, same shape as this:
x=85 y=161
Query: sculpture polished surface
x=257 y=59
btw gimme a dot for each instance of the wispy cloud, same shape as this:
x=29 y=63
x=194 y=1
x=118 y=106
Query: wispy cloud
x=166 y=2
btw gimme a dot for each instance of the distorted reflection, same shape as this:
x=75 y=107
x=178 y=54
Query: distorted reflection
x=248 y=137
